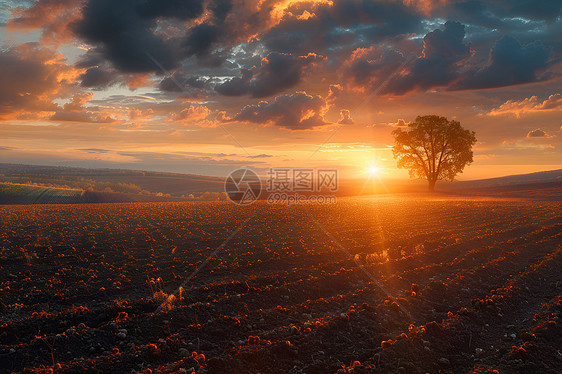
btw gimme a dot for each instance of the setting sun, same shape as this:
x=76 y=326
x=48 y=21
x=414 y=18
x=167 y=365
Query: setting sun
x=373 y=170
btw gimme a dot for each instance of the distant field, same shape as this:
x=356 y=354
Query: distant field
x=446 y=285
x=28 y=194
x=98 y=179
x=25 y=194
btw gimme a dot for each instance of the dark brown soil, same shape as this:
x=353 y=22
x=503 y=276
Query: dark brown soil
x=432 y=286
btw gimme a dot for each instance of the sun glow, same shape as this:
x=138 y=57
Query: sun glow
x=373 y=170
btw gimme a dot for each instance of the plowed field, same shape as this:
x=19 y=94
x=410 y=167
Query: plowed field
x=367 y=285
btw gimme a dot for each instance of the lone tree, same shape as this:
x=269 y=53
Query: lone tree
x=433 y=148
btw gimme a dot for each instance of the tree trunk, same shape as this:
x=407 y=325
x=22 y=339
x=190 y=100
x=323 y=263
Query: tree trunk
x=431 y=185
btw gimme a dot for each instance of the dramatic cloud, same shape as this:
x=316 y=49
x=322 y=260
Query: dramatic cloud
x=441 y=65
x=334 y=91
x=510 y=64
x=277 y=72
x=124 y=34
x=100 y=78
x=201 y=38
x=345 y=117
x=168 y=71
x=191 y=86
x=52 y=16
x=140 y=114
x=531 y=104
x=154 y=35
x=96 y=77
x=298 y=111
x=337 y=24
x=542 y=10
x=31 y=78
x=368 y=67
x=443 y=50
x=75 y=111
x=192 y=115
x=538 y=133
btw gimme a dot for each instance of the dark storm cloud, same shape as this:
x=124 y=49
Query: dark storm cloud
x=201 y=38
x=294 y=112
x=527 y=21
x=124 y=32
x=178 y=83
x=96 y=77
x=500 y=13
x=92 y=58
x=547 y=10
x=447 y=43
x=510 y=64
x=368 y=67
x=220 y=9
x=346 y=22
x=474 y=12
x=180 y=9
x=442 y=52
x=445 y=62
x=223 y=38
x=277 y=72
x=124 y=36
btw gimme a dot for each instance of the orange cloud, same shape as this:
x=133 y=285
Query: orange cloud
x=286 y=8
x=77 y=103
x=345 y=117
x=53 y=16
x=138 y=81
x=334 y=92
x=75 y=111
x=140 y=114
x=538 y=133
x=192 y=115
x=528 y=105
x=32 y=77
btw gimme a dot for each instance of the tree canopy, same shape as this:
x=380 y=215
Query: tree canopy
x=433 y=148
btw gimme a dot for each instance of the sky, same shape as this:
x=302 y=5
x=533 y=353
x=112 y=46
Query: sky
x=208 y=86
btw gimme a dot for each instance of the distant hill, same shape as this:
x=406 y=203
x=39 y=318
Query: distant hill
x=20 y=194
x=111 y=180
x=544 y=185
x=539 y=177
